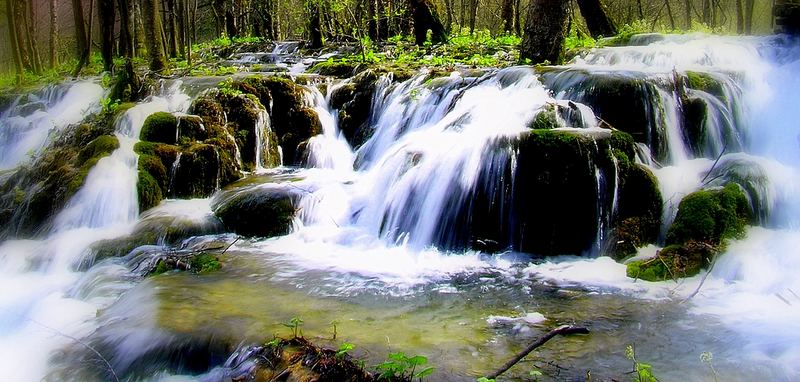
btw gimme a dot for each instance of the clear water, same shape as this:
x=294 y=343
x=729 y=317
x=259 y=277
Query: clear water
x=361 y=251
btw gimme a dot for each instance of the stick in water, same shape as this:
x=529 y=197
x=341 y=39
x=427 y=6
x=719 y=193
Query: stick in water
x=561 y=330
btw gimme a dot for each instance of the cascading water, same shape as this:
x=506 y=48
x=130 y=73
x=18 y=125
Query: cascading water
x=329 y=149
x=25 y=126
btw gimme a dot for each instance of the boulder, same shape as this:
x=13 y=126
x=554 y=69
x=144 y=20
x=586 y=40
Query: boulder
x=160 y=127
x=353 y=100
x=263 y=210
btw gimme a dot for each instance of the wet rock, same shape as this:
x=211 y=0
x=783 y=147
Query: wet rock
x=710 y=216
x=354 y=102
x=263 y=211
x=638 y=217
x=191 y=129
x=673 y=262
x=201 y=170
x=160 y=127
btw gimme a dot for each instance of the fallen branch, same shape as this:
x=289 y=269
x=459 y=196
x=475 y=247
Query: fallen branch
x=561 y=330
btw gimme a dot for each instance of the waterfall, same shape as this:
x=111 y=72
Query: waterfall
x=329 y=149
x=26 y=126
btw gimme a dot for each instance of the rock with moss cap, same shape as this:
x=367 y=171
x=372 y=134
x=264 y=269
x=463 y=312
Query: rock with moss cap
x=160 y=127
x=353 y=100
x=263 y=210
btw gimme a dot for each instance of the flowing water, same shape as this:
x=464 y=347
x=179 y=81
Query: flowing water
x=375 y=247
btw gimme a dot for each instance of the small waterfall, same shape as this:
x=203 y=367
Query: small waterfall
x=261 y=125
x=109 y=195
x=25 y=127
x=329 y=149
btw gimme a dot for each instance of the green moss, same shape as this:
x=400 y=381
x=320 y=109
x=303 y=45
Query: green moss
x=711 y=216
x=204 y=263
x=546 y=119
x=673 y=262
x=704 y=82
x=334 y=68
x=99 y=147
x=160 y=127
x=148 y=190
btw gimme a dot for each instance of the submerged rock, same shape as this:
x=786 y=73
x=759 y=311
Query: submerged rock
x=264 y=210
x=353 y=100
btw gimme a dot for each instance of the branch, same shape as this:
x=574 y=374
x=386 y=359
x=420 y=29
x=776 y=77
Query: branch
x=561 y=330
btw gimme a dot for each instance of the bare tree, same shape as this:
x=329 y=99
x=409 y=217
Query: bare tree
x=152 y=31
x=597 y=20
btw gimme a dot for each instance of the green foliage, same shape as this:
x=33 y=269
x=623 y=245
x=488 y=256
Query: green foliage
x=484 y=379
x=204 y=263
x=643 y=372
x=228 y=88
x=399 y=366
x=344 y=348
x=707 y=358
x=578 y=40
x=545 y=119
x=294 y=324
x=711 y=216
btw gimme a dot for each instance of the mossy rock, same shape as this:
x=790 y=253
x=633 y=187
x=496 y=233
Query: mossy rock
x=197 y=263
x=160 y=127
x=148 y=190
x=202 y=169
x=99 y=147
x=695 y=112
x=704 y=82
x=353 y=100
x=334 y=68
x=262 y=211
x=120 y=246
x=209 y=109
x=545 y=119
x=191 y=129
x=638 y=217
x=673 y=262
x=710 y=216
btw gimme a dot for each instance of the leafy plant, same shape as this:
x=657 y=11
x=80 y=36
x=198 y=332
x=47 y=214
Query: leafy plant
x=643 y=371
x=484 y=379
x=344 y=348
x=399 y=366
x=295 y=324
x=706 y=357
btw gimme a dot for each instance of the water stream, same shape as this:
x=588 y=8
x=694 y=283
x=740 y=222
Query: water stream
x=378 y=248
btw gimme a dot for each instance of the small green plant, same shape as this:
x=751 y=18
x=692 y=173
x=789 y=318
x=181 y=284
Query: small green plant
x=642 y=371
x=344 y=348
x=706 y=357
x=295 y=324
x=334 y=323
x=109 y=106
x=535 y=374
x=484 y=379
x=400 y=366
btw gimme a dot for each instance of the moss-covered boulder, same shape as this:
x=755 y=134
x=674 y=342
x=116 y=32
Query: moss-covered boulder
x=710 y=216
x=673 y=262
x=191 y=129
x=637 y=220
x=706 y=219
x=263 y=211
x=160 y=127
x=353 y=100
x=154 y=172
x=624 y=101
x=201 y=170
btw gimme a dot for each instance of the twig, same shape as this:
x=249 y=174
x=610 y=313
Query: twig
x=702 y=280
x=561 y=330
x=65 y=335
x=715 y=163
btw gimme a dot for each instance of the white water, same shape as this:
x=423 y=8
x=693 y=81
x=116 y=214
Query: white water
x=23 y=135
x=46 y=303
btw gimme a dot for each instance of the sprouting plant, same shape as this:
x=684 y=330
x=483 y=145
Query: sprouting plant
x=706 y=357
x=344 y=348
x=334 y=323
x=643 y=371
x=484 y=379
x=535 y=374
x=295 y=324
x=399 y=365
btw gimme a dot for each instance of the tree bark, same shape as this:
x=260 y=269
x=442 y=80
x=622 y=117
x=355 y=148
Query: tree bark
x=507 y=14
x=448 y=18
x=21 y=33
x=748 y=16
x=688 y=14
x=31 y=30
x=670 y=15
x=473 y=14
x=597 y=20
x=12 y=34
x=314 y=25
x=544 y=31
x=372 y=22
x=152 y=32
x=82 y=45
x=170 y=28
x=138 y=28
x=53 y=33
x=105 y=10
x=425 y=19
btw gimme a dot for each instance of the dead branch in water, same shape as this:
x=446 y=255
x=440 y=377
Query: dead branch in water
x=561 y=330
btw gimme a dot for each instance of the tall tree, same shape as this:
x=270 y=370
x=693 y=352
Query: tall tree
x=53 y=33
x=425 y=18
x=81 y=43
x=545 y=30
x=105 y=10
x=748 y=16
x=597 y=20
x=314 y=25
x=30 y=31
x=12 y=34
x=507 y=14
x=153 y=33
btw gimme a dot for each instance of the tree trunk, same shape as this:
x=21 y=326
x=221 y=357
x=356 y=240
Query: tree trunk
x=473 y=14
x=383 y=20
x=138 y=28
x=597 y=20
x=53 y=33
x=507 y=14
x=670 y=15
x=105 y=10
x=12 y=34
x=748 y=16
x=688 y=14
x=152 y=32
x=544 y=31
x=218 y=8
x=739 y=17
x=425 y=19
x=31 y=30
x=314 y=26
x=448 y=17
x=517 y=12
x=170 y=28
x=372 y=22
x=21 y=29
x=82 y=46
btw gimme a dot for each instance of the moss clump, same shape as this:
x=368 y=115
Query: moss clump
x=99 y=147
x=711 y=216
x=148 y=190
x=704 y=82
x=334 y=68
x=205 y=263
x=160 y=127
x=546 y=119
x=638 y=219
x=673 y=262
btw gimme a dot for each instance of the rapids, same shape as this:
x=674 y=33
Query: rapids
x=377 y=245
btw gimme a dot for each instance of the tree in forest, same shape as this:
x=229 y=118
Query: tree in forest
x=105 y=10
x=545 y=30
x=425 y=18
x=12 y=34
x=53 y=33
x=153 y=37
x=81 y=42
x=314 y=25
x=597 y=20
x=507 y=14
